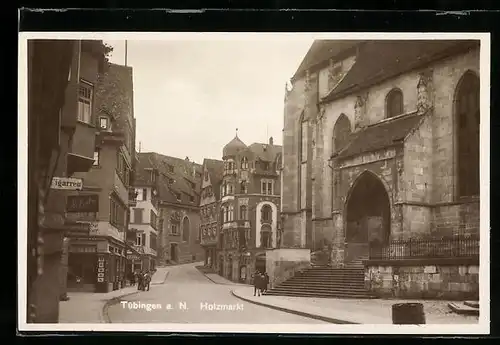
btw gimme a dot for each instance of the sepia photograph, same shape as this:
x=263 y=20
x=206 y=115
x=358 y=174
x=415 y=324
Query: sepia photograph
x=254 y=183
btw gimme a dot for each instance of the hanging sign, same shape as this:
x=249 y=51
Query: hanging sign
x=66 y=183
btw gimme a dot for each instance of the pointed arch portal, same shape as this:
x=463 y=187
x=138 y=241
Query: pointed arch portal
x=368 y=216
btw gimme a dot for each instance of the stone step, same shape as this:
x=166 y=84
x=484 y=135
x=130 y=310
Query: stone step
x=328 y=278
x=336 y=287
x=296 y=280
x=329 y=294
x=338 y=270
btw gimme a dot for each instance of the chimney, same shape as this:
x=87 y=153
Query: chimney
x=271 y=141
x=187 y=159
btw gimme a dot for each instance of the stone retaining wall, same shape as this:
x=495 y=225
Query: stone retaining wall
x=458 y=281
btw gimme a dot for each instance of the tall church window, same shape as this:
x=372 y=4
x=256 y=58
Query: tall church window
x=467 y=127
x=341 y=133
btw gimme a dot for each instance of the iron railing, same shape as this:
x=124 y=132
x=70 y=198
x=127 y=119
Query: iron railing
x=446 y=247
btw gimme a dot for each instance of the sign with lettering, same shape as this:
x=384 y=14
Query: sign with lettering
x=83 y=249
x=101 y=269
x=82 y=203
x=77 y=229
x=66 y=183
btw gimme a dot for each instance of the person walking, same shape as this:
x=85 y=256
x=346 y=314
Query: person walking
x=140 y=281
x=257 y=282
x=147 y=280
x=265 y=282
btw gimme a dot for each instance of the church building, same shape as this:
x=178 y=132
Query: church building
x=381 y=162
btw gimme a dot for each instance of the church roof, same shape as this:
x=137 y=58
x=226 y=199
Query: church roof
x=380 y=135
x=383 y=59
x=321 y=51
x=234 y=147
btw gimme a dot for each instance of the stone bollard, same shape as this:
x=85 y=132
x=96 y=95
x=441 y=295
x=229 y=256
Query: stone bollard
x=408 y=314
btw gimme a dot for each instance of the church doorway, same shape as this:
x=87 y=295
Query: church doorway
x=260 y=262
x=173 y=252
x=367 y=217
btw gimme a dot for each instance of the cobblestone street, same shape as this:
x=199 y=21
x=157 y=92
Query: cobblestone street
x=191 y=296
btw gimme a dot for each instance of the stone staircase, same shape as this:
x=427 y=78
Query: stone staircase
x=357 y=263
x=324 y=281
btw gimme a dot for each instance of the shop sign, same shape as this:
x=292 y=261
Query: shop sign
x=82 y=249
x=78 y=229
x=82 y=203
x=101 y=269
x=66 y=183
x=132 y=257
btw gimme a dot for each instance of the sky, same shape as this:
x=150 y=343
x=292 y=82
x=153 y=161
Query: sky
x=190 y=96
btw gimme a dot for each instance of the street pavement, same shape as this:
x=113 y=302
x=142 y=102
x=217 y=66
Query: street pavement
x=187 y=296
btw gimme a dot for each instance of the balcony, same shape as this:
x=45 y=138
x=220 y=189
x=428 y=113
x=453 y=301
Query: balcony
x=132 y=197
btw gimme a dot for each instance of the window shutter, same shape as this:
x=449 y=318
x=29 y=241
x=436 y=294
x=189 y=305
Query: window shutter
x=143 y=239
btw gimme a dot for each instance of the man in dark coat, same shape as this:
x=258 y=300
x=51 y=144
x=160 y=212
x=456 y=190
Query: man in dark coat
x=265 y=282
x=257 y=283
x=140 y=281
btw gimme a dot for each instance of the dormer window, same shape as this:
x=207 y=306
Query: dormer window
x=103 y=122
x=178 y=196
x=170 y=168
x=206 y=175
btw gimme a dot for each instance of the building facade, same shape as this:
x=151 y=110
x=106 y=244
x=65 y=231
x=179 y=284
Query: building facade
x=144 y=218
x=59 y=147
x=179 y=186
x=98 y=257
x=381 y=151
x=249 y=208
x=210 y=221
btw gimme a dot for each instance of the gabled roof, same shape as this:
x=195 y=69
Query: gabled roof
x=380 y=135
x=144 y=164
x=215 y=170
x=265 y=152
x=380 y=60
x=184 y=181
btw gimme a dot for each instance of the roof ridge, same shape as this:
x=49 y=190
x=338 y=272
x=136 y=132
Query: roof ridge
x=394 y=118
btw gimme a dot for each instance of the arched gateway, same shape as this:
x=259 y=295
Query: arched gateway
x=367 y=215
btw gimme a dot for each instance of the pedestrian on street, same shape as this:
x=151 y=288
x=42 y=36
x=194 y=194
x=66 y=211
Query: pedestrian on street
x=266 y=282
x=132 y=279
x=140 y=281
x=147 y=280
x=257 y=283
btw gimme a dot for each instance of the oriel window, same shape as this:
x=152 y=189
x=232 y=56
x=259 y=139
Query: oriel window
x=85 y=95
